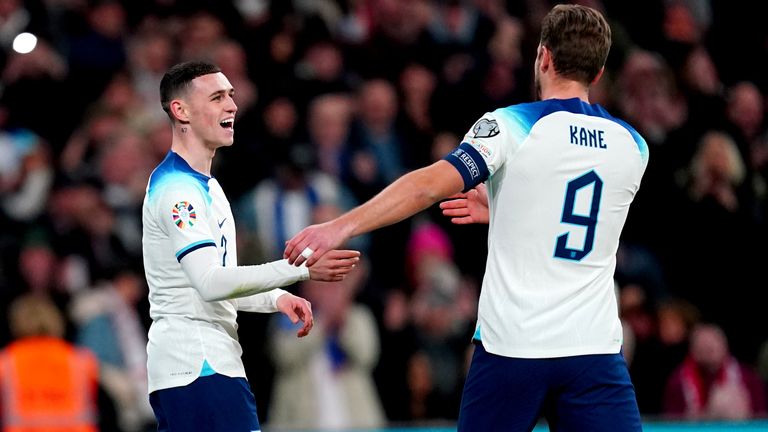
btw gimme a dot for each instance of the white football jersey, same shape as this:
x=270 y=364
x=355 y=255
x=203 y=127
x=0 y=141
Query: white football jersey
x=561 y=175
x=185 y=211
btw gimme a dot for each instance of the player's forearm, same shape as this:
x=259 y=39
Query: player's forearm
x=405 y=197
x=265 y=302
x=215 y=283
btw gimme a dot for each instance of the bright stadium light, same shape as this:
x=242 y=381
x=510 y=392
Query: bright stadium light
x=24 y=43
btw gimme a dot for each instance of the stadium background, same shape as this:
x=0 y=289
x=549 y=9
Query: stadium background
x=336 y=99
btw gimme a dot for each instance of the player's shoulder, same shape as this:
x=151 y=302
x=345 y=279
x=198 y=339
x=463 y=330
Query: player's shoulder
x=535 y=111
x=532 y=112
x=174 y=173
x=524 y=116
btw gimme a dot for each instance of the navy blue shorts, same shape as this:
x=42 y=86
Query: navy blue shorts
x=214 y=403
x=581 y=393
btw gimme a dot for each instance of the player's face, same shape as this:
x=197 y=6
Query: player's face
x=212 y=110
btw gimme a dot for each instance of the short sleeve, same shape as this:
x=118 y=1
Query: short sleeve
x=182 y=210
x=481 y=152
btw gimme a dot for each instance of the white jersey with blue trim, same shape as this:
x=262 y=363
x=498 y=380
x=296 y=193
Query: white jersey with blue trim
x=186 y=216
x=561 y=175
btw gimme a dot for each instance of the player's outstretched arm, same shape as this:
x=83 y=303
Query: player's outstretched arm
x=405 y=197
x=215 y=282
x=468 y=208
x=297 y=309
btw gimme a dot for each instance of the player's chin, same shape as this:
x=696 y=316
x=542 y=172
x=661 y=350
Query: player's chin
x=227 y=137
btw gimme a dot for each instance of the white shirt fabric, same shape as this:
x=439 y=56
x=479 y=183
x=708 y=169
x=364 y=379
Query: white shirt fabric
x=561 y=175
x=195 y=285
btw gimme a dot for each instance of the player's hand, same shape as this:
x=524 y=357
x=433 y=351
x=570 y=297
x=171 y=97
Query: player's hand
x=313 y=242
x=297 y=309
x=467 y=208
x=334 y=265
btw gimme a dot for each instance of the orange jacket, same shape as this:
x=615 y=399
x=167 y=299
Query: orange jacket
x=48 y=385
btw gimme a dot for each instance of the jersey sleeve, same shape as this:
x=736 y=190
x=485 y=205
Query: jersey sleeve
x=181 y=210
x=215 y=282
x=262 y=302
x=481 y=152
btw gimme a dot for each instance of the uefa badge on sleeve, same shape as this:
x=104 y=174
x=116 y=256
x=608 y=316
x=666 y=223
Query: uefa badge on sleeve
x=184 y=214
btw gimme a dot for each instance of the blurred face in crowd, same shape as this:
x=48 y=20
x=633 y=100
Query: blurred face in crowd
x=329 y=121
x=378 y=103
x=230 y=57
x=326 y=61
x=745 y=108
x=718 y=159
x=37 y=266
x=709 y=348
x=108 y=19
x=280 y=117
x=417 y=81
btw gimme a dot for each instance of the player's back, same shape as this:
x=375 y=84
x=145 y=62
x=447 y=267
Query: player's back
x=558 y=203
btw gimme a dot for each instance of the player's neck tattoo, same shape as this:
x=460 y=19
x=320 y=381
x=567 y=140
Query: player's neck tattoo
x=183 y=130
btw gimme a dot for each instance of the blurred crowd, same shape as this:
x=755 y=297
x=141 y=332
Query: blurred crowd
x=337 y=98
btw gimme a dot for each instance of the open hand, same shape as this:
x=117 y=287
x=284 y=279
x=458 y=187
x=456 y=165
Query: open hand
x=467 y=208
x=334 y=265
x=297 y=309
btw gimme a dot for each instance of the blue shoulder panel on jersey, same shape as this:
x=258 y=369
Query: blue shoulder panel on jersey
x=527 y=114
x=193 y=247
x=639 y=140
x=470 y=164
x=521 y=117
x=175 y=168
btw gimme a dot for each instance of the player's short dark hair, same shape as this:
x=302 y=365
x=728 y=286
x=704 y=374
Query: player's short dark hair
x=579 y=39
x=178 y=78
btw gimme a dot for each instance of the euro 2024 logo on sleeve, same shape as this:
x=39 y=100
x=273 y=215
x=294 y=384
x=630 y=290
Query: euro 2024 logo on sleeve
x=184 y=214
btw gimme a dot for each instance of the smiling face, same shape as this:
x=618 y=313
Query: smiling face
x=208 y=110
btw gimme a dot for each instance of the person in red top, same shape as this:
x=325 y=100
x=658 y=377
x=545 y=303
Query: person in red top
x=46 y=383
x=711 y=383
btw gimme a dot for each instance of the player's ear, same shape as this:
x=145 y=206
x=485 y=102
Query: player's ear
x=179 y=110
x=544 y=58
x=599 y=74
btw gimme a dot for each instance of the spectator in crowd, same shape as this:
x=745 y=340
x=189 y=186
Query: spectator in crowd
x=150 y=55
x=123 y=168
x=378 y=143
x=417 y=86
x=203 y=32
x=281 y=205
x=26 y=174
x=320 y=71
x=97 y=52
x=230 y=56
x=711 y=384
x=328 y=127
x=108 y=324
x=661 y=351
x=325 y=381
x=47 y=383
x=443 y=316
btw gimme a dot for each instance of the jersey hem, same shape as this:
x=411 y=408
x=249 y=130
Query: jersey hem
x=553 y=353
